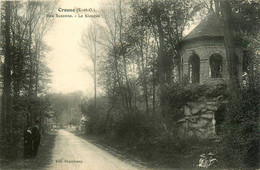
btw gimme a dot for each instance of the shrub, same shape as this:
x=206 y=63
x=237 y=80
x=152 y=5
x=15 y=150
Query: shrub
x=24 y=111
x=96 y=123
x=134 y=127
x=240 y=132
x=174 y=97
x=9 y=143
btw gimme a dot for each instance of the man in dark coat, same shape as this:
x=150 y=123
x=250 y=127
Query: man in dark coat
x=36 y=138
x=27 y=142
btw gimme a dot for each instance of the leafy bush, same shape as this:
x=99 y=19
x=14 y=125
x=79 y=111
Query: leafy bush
x=10 y=141
x=135 y=126
x=97 y=122
x=240 y=132
x=176 y=95
x=24 y=111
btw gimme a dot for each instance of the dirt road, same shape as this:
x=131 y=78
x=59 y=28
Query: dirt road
x=73 y=153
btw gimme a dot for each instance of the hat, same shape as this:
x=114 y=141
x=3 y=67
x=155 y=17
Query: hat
x=203 y=155
x=211 y=154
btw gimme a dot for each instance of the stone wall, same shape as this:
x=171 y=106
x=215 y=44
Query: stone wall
x=199 y=118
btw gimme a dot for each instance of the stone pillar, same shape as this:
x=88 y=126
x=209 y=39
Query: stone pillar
x=185 y=71
x=204 y=71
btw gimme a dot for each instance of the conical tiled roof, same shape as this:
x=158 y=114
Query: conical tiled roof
x=210 y=26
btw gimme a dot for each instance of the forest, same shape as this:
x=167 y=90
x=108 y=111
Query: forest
x=24 y=73
x=136 y=62
x=139 y=91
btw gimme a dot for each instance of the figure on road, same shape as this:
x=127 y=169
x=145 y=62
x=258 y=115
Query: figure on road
x=36 y=138
x=27 y=142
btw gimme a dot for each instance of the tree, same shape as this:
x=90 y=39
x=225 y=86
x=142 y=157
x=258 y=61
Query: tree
x=21 y=38
x=234 y=86
x=166 y=21
x=113 y=40
x=6 y=118
x=89 y=41
x=66 y=107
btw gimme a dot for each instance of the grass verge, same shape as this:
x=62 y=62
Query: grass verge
x=150 y=156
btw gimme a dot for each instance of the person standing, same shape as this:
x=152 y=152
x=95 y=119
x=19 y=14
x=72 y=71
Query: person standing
x=27 y=153
x=36 y=138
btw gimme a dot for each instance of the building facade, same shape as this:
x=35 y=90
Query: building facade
x=203 y=55
x=203 y=61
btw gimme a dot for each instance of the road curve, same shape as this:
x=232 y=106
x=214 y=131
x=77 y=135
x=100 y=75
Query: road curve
x=73 y=153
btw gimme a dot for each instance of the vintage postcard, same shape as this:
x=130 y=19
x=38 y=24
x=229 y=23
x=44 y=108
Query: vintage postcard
x=129 y=84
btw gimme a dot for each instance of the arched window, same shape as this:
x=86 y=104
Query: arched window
x=194 y=69
x=215 y=62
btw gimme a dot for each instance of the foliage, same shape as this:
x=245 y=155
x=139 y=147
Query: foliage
x=135 y=127
x=240 y=128
x=25 y=75
x=246 y=17
x=140 y=48
x=9 y=143
x=240 y=132
x=25 y=110
x=138 y=42
x=97 y=122
x=30 y=74
x=177 y=96
x=66 y=108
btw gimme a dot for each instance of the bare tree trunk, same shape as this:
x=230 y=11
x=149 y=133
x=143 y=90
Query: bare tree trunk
x=19 y=69
x=234 y=85
x=32 y=15
x=143 y=76
x=154 y=83
x=129 y=93
x=6 y=116
x=31 y=60
x=122 y=91
x=112 y=107
x=161 y=55
x=38 y=49
x=95 y=74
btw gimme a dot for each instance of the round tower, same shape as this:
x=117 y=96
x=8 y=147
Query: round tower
x=203 y=56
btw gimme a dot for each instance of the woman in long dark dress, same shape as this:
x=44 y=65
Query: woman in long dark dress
x=27 y=142
x=36 y=138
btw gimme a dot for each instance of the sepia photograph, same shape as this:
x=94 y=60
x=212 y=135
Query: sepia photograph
x=129 y=84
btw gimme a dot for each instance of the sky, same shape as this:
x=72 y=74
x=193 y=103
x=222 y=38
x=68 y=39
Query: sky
x=66 y=58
